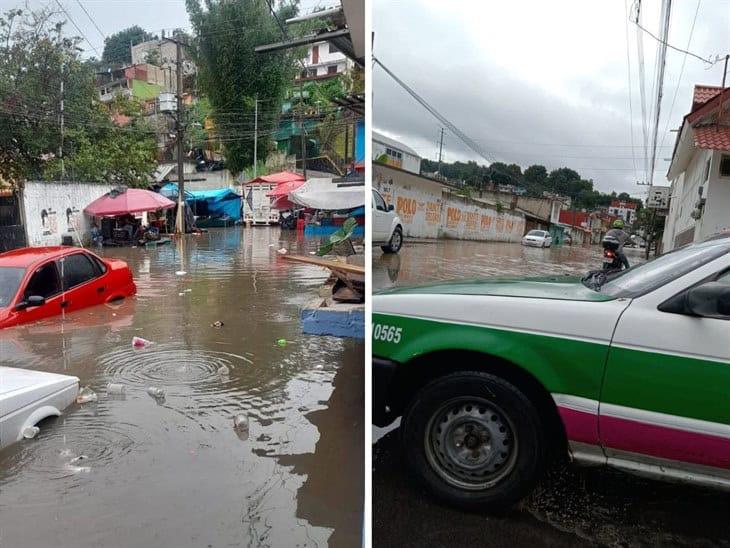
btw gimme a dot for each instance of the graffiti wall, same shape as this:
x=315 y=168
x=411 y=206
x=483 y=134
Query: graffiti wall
x=470 y=220
x=52 y=210
x=428 y=210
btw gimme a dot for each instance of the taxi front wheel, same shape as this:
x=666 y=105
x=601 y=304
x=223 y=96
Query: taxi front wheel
x=475 y=440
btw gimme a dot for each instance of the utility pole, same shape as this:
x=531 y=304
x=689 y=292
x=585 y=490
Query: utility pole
x=441 y=149
x=255 y=135
x=301 y=129
x=180 y=221
x=60 y=146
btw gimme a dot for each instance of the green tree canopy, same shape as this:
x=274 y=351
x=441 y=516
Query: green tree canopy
x=231 y=74
x=36 y=59
x=118 y=46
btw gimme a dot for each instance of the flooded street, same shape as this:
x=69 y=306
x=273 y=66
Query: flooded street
x=572 y=506
x=134 y=470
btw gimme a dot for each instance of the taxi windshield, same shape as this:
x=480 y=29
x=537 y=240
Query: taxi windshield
x=653 y=274
x=10 y=278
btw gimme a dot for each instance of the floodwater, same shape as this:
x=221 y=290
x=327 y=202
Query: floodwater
x=428 y=261
x=573 y=506
x=139 y=471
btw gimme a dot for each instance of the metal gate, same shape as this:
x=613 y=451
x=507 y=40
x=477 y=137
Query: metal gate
x=12 y=231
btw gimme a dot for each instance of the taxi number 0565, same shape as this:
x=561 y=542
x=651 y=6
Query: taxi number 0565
x=388 y=333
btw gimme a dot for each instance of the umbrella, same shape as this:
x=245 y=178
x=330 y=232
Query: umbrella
x=131 y=200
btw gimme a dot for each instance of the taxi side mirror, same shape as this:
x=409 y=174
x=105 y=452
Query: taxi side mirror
x=709 y=300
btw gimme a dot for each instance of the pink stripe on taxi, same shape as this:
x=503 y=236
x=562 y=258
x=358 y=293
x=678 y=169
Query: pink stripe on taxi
x=664 y=442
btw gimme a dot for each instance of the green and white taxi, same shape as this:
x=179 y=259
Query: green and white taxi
x=493 y=377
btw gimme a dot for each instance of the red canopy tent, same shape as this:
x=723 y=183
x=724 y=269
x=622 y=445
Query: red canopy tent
x=128 y=201
x=277 y=178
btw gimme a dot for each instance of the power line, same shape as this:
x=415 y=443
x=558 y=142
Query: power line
x=77 y=27
x=680 y=50
x=661 y=64
x=642 y=86
x=468 y=141
x=628 y=71
x=681 y=73
x=91 y=19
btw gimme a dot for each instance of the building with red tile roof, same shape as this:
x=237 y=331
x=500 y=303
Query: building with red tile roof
x=699 y=172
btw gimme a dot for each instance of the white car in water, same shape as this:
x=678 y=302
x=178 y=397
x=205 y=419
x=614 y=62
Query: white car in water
x=387 y=226
x=27 y=397
x=537 y=238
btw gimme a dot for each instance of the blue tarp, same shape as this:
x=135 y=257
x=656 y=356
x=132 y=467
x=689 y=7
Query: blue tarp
x=213 y=203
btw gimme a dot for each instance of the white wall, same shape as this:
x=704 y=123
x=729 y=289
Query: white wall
x=55 y=199
x=326 y=59
x=684 y=195
x=428 y=210
x=409 y=162
x=716 y=216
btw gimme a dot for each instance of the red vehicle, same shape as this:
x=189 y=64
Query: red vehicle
x=40 y=282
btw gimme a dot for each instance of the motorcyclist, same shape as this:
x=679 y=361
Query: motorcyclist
x=617 y=233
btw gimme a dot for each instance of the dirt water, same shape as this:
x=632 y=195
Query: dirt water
x=135 y=470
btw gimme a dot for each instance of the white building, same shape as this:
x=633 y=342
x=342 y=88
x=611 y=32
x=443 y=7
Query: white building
x=699 y=201
x=398 y=155
x=162 y=53
x=323 y=61
x=625 y=210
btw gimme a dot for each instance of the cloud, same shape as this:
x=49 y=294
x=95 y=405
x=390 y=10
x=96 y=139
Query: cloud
x=537 y=82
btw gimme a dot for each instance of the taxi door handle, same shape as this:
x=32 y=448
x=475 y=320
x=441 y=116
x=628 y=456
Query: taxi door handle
x=100 y=289
x=64 y=304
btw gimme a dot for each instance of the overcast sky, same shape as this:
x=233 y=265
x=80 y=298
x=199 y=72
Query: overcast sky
x=114 y=15
x=522 y=77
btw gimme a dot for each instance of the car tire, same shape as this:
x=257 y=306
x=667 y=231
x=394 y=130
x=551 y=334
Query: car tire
x=484 y=413
x=395 y=243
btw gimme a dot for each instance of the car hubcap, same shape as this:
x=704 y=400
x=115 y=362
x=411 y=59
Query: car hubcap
x=470 y=443
x=395 y=240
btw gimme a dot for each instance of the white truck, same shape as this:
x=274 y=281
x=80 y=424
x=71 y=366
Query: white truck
x=27 y=397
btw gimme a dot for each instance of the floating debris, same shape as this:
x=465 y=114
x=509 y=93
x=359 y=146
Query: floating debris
x=281 y=342
x=86 y=395
x=30 y=432
x=283 y=251
x=156 y=392
x=139 y=342
x=217 y=324
x=224 y=371
x=115 y=388
x=241 y=427
x=180 y=273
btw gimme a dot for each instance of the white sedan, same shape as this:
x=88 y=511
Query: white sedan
x=537 y=238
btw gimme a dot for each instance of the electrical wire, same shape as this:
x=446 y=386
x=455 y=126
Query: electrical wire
x=628 y=71
x=77 y=27
x=681 y=73
x=91 y=19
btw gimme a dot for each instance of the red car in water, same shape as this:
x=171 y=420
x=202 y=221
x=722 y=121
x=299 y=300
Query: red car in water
x=40 y=282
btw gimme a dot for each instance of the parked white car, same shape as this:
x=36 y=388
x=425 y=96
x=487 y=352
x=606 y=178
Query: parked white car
x=537 y=238
x=387 y=226
x=27 y=397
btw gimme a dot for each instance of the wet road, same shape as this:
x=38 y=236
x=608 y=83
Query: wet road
x=573 y=506
x=174 y=472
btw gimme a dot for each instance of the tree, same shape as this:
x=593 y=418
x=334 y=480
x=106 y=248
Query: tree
x=34 y=62
x=118 y=46
x=231 y=74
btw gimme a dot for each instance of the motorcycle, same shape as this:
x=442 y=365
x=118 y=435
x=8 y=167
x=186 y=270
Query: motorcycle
x=611 y=260
x=612 y=265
